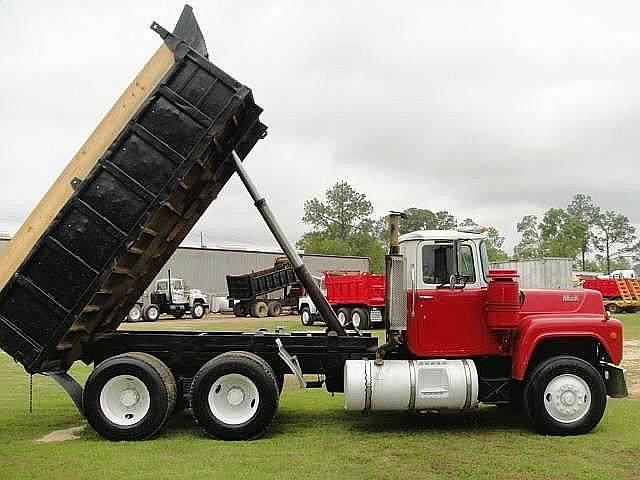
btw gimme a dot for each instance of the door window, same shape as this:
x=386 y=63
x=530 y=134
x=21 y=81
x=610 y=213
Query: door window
x=438 y=263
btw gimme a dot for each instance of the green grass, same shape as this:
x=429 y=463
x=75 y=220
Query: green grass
x=312 y=437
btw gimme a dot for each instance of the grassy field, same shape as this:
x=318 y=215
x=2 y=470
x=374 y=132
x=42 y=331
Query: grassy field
x=312 y=436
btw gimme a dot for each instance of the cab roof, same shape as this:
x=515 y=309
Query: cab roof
x=440 y=235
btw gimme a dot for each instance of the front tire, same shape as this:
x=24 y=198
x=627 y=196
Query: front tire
x=565 y=396
x=129 y=396
x=197 y=311
x=235 y=396
x=305 y=317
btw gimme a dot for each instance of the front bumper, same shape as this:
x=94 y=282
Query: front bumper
x=615 y=378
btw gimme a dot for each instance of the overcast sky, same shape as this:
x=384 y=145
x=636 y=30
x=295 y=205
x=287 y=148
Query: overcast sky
x=491 y=110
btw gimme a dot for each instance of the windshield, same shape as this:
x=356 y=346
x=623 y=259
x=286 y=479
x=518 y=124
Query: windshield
x=484 y=259
x=176 y=284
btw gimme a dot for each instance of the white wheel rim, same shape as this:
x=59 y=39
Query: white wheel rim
x=153 y=313
x=198 y=310
x=233 y=399
x=134 y=313
x=342 y=318
x=305 y=317
x=567 y=398
x=125 y=400
x=355 y=319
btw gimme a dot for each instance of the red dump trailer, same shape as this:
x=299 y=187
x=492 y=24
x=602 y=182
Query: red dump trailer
x=618 y=294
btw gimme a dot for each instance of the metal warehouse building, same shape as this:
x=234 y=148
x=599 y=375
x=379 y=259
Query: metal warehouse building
x=207 y=268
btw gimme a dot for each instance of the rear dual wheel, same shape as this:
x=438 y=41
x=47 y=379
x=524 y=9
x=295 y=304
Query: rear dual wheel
x=360 y=318
x=129 y=396
x=235 y=396
x=259 y=309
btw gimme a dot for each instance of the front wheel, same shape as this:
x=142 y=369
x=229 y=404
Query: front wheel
x=565 y=396
x=612 y=308
x=197 y=311
x=235 y=396
x=305 y=317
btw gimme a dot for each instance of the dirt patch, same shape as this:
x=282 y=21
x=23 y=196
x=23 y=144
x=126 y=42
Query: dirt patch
x=631 y=361
x=61 y=435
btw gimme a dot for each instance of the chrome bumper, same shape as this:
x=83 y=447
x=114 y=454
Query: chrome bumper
x=615 y=378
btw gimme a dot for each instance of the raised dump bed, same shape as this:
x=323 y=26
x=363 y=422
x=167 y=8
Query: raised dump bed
x=124 y=203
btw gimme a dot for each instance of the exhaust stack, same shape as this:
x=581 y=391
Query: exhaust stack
x=395 y=300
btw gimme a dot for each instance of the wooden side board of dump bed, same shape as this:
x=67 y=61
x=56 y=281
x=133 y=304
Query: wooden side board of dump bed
x=124 y=203
x=83 y=161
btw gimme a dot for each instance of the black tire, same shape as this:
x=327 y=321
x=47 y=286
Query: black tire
x=259 y=309
x=274 y=308
x=240 y=310
x=360 y=319
x=305 y=316
x=138 y=367
x=135 y=314
x=151 y=313
x=197 y=311
x=589 y=388
x=253 y=414
x=612 y=308
x=344 y=316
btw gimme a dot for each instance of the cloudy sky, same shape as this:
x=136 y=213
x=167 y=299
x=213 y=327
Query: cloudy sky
x=491 y=110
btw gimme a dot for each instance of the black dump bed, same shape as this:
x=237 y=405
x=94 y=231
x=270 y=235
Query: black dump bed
x=127 y=216
x=251 y=285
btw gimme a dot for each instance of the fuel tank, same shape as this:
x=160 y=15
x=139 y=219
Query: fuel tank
x=410 y=385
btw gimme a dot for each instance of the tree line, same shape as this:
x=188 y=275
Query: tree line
x=343 y=223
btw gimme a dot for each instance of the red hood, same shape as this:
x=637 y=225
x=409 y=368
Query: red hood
x=562 y=301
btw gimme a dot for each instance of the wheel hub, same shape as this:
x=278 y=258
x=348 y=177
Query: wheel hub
x=235 y=396
x=567 y=398
x=129 y=397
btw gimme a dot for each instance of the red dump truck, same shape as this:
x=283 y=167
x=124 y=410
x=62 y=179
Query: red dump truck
x=457 y=334
x=357 y=299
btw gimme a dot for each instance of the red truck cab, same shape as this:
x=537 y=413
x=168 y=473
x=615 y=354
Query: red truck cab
x=538 y=341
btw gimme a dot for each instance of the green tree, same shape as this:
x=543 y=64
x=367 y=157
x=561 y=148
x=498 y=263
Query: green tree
x=529 y=245
x=613 y=236
x=561 y=234
x=343 y=212
x=586 y=212
x=342 y=225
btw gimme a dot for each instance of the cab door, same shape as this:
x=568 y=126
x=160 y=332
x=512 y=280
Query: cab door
x=446 y=321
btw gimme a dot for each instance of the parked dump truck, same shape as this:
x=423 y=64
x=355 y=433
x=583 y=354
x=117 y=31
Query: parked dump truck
x=357 y=299
x=618 y=294
x=248 y=293
x=456 y=334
